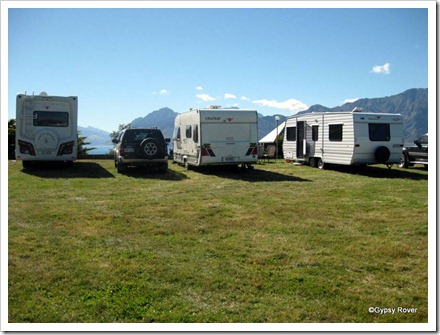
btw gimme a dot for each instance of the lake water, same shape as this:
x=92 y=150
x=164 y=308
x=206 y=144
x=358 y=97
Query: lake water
x=101 y=150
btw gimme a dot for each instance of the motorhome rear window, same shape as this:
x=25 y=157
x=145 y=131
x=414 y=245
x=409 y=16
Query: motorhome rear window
x=291 y=133
x=335 y=132
x=379 y=131
x=51 y=119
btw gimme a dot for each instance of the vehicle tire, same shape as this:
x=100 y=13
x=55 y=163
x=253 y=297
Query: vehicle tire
x=403 y=161
x=382 y=154
x=149 y=148
x=120 y=167
x=320 y=164
x=313 y=162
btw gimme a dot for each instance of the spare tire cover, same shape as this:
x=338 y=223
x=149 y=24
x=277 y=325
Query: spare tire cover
x=46 y=139
x=382 y=154
x=150 y=148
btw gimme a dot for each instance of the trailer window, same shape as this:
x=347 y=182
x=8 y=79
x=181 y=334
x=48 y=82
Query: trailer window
x=315 y=133
x=196 y=133
x=291 y=134
x=188 y=131
x=379 y=131
x=51 y=119
x=335 y=132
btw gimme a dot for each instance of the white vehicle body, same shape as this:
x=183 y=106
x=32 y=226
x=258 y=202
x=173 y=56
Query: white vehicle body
x=46 y=128
x=346 y=138
x=215 y=136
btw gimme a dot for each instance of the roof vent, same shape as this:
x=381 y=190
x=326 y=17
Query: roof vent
x=357 y=109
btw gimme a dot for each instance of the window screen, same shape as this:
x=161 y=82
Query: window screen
x=335 y=132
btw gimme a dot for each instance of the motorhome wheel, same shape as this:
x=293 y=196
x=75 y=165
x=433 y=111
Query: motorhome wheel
x=320 y=164
x=313 y=162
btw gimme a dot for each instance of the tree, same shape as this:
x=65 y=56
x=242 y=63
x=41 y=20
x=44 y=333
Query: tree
x=11 y=139
x=114 y=134
x=82 y=149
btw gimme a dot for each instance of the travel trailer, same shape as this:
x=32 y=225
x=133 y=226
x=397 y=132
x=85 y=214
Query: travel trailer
x=216 y=136
x=46 y=128
x=346 y=138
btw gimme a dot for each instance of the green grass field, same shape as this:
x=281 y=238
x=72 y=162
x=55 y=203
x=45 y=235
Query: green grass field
x=282 y=243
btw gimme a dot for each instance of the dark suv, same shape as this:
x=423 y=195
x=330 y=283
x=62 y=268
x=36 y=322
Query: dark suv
x=141 y=147
x=415 y=154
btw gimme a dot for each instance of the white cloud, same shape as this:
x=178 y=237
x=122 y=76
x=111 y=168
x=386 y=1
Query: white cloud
x=205 y=97
x=385 y=69
x=351 y=100
x=291 y=105
x=244 y=98
x=199 y=88
x=229 y=96
x=161 y=92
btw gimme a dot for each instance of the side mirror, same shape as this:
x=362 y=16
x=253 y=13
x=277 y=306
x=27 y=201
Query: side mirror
x=416 y=142
x=114 y=140
x=167 y=140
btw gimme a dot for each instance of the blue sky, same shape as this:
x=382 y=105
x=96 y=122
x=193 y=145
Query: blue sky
x=124 y=63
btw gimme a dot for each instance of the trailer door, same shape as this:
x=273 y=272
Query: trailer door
x=300 y=137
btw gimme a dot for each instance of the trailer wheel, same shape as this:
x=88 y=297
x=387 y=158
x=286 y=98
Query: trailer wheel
x=382 y=154
x=320 y=164
x=312 y=162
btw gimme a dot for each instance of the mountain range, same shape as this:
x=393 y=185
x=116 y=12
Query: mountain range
x=411 y=104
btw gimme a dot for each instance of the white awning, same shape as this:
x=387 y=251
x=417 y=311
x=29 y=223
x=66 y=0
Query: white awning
x=270 y=138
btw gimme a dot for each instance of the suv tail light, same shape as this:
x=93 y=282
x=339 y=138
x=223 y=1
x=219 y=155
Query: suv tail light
x=26 y=148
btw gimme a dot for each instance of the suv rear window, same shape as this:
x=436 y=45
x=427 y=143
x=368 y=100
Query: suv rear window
x=138 y=135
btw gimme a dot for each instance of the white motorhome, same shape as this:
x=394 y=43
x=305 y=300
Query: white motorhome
x=346 y=138
x=216 y=136
x=46 y=128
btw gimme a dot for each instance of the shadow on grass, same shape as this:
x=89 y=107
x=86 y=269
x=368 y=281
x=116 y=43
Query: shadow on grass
x=255 y=175
x=152 y=173
x=373 y=171
x=60 y=170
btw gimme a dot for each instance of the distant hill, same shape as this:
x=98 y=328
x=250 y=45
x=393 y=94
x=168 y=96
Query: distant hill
x=95 y=136
x=163 y=119
x=412 y=104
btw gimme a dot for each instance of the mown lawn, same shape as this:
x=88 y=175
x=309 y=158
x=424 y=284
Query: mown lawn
x=282 y=243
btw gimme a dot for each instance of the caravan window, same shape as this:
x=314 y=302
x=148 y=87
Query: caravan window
x=335 y=132
x=379 y=131
x=196 y=133
x=188 y=131
x=51 y=119
x=291 y=134
x=315 y=133
x=176 y=133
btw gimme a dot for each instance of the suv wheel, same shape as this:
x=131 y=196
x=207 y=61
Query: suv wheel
x=149 y=147
x=403 y=161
